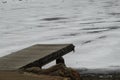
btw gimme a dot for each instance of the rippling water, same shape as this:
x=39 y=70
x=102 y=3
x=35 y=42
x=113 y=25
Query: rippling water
x=93 y=26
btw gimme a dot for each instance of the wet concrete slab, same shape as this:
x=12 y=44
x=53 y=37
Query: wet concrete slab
x=36 y=55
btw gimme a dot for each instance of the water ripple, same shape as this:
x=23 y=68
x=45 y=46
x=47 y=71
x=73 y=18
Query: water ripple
x=53 y=18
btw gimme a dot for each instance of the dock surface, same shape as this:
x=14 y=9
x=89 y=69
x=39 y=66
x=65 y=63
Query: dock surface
x=36 y=55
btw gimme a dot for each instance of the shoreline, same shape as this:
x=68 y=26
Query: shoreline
x=99 y=74
x=99 y=70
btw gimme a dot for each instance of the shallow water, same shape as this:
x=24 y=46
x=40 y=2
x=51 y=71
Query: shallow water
x=93 y=26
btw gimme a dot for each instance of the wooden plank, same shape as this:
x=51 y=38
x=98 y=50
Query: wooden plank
x=36 y=55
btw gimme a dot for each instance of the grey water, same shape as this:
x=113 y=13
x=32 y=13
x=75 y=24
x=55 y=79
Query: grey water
x=93 y=26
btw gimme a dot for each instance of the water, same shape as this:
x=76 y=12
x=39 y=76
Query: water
x=93 y=26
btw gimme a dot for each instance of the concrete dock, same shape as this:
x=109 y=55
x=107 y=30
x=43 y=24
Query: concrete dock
x=36 y=55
